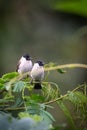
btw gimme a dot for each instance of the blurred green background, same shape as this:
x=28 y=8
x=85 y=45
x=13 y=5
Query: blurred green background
x=49 y=30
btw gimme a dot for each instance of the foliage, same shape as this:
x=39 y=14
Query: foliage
x=71 y=6
x=28 y=107
x=7 y=122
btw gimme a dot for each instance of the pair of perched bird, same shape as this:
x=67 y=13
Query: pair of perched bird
x=36 y=71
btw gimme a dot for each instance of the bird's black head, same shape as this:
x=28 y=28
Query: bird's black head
x=40 y=63
x=27 y=57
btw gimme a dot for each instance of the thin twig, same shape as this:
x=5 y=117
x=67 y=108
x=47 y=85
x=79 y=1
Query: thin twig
x=56 y=99
x=52 y=101
x=13 y=109
x=76 y=65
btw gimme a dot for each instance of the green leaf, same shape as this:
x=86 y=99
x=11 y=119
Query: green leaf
x=72 y=6
x=33 y=110
x=37 y=98
x=1 y=85
x=1 y=80
x=50 y=90
x=77 y=98
x=19 y=86
x=6 y=100
x=67 y=114
x=9 y=76
x=18 y=101
x=23 y=114
x=81 y=97
x=35 y=117
x=47 y=116
x=7 y=86
x=61 y=71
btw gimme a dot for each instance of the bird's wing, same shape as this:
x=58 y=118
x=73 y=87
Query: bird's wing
x=17 y=67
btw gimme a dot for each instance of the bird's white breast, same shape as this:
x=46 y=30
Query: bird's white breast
x=25 y=65
x=37 y=72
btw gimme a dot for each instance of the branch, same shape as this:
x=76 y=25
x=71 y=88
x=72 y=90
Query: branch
x=57 y=99
x=76 y=65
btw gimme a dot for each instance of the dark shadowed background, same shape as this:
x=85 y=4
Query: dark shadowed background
x=52 y=31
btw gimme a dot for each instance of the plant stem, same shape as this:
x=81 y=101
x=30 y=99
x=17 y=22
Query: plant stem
x=56 y=99
x=76 y=65
x=52 y=101
x=13 y=109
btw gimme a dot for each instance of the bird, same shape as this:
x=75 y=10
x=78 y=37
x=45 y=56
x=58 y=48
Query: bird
x=37 y=74
x=24 y=64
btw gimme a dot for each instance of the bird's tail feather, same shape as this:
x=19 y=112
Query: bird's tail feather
x=37 y=86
